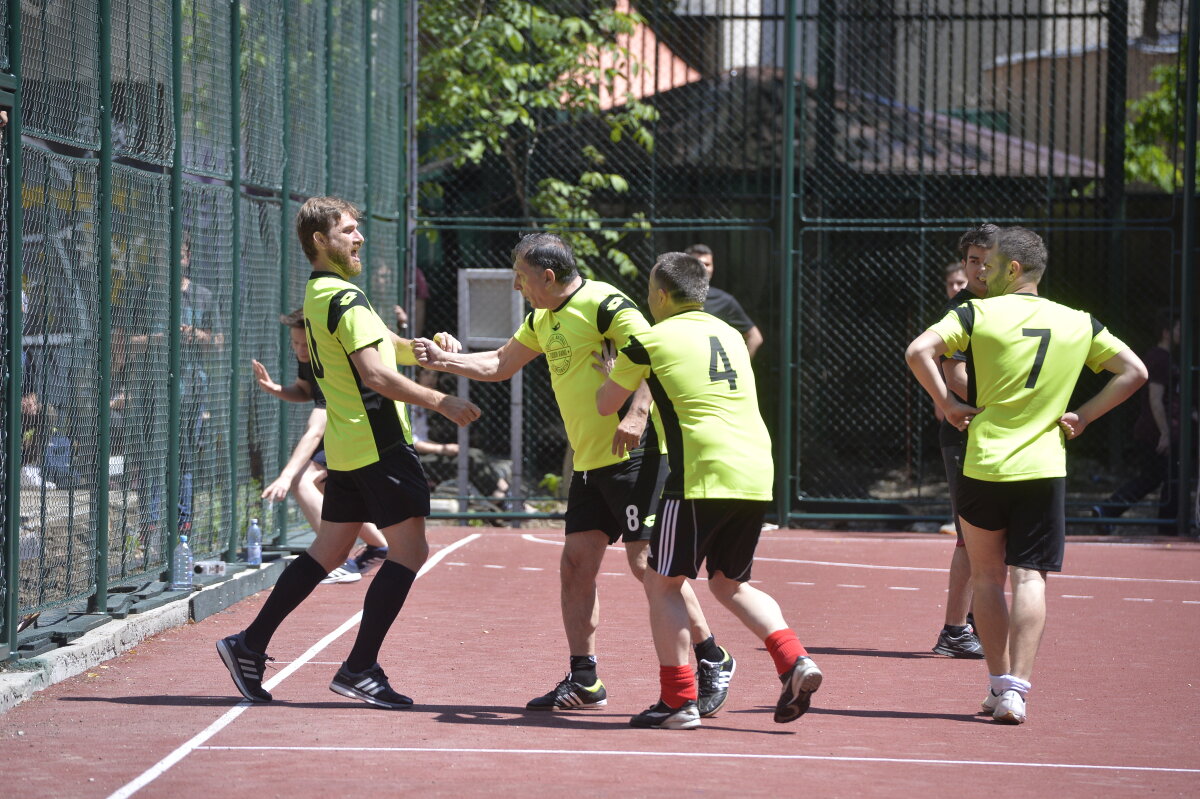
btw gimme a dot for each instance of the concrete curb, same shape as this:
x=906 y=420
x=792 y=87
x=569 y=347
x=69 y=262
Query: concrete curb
x=26 y=677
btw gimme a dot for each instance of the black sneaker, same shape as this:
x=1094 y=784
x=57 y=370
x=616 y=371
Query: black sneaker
x=568 y=694
x=712 y=680
x=959 y=646
x=664 y=717
x=369 y=558
x=800 y=682
x=245 y=667
x=371 y=686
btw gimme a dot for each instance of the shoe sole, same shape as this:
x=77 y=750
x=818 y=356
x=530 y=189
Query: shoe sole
x=1009 y=718
x=689 y=724
x=957 y=653
x=801 y=699
x=583 y=706
x=351 y=693
x=349 y=578
x=725 y=698
x=230 y=661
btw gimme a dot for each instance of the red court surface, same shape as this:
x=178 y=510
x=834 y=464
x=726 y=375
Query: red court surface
x=1112 y=712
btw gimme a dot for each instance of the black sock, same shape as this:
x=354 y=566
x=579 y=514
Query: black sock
x=293 y=586
x=971 y=619
x=708 y=650
x=583 y=669
x=955 y=629
x=381 y=605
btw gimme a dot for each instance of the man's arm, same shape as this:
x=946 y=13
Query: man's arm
x=955 y=372
x=922 y=357
x=387 y=381
x=300 y=391
x=754 y=339
x=1129 y=373
x=611 y=396
x=1158 y=410
x=303 y=451
x=491 y=366
x=404 y=347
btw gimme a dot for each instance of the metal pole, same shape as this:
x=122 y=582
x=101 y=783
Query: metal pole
x=783 y=467
x=1114 y=180
x=175 y=266
x=409 y=121
x=98 y=601
x=12 y=519
x=1187 y=306
x=285 y=272
x=235 y=321
x=328 y=95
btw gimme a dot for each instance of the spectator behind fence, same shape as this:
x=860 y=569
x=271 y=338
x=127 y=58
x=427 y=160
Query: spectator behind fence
x=1156 y=430
x=303 y=476
x=724 y=305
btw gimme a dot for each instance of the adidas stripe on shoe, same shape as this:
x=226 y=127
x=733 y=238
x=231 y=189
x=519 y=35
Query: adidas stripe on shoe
x=245 y=667
x=370 y=686
x=712 y=681
x=568 y=694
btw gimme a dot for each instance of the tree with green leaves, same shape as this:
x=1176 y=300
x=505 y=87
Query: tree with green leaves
x=1154 y=132
x=501 y=78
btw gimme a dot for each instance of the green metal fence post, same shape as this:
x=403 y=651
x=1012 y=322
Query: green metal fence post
x=1187 y=310
x=235 y=321
x=284 y=273
x=98 y=601
x=328 y=96
x=783 y=468
x=174 y=355
x=12 y=509
x=368 y=88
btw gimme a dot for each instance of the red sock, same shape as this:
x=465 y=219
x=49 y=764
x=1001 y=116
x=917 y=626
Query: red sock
x=678 y=684
x=784 y=647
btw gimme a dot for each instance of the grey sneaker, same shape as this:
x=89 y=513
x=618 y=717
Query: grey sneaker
x=664 y=717
x=800 y=682
x=961 y=646
x=712 y=681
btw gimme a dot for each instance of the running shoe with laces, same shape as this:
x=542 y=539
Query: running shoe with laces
x=370 y=686
x=341 y=575
x=712 y=681
x=988 y=705
x=664 y=717
x=800 y=682
x=368 y=558
x=959 y=646
x=1010 y=708
x=568 y=694
x=245 y=666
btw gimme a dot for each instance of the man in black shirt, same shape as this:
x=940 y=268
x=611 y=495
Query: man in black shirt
x=723 y=305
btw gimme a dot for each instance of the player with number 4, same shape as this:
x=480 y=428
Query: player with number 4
x=616 y=480
x=717 y=493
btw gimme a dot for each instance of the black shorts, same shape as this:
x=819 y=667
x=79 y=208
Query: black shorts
x=385 y=492
x=721 y=532
x=1033 y=512
x=952 y=458
x=620 y=500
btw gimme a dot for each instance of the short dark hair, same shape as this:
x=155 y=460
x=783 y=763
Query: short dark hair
x=1026 y=248
x=698 y=249
x=982 y=236
x=682 y=276
x=293 y=319
x=952 y=267
x=546 y=251
x=1164 y=321
x=319 y=215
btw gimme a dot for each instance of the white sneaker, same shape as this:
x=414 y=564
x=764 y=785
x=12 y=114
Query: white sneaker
x=990 y=701
x=341 y=575
x=1010 y=708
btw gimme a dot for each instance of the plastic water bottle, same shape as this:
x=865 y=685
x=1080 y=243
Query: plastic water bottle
x=254 y=544
x=181 y=573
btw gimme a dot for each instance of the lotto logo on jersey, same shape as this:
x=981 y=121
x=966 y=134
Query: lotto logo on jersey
x=558 y=353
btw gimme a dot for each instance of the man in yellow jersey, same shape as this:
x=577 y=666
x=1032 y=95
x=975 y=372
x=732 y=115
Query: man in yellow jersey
x=374 y=473
x=615 y=483
x=718 y=490
x=1026 y=355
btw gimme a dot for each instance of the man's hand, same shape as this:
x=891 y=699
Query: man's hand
x=458 y=410
x=960 y=414
x=264 y=379
x=278 y=490
x=427 y=353
x=447 y=342
x=629 y=433
x=1072 y=424
x=1164 y=444
x=605 y=357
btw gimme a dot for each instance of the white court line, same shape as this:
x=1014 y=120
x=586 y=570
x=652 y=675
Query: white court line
x=902 y=588
x=732 y=755
x=843 y=585
x=1057 y=575
x=1076 y=596
x=1137 y=599
x=158 y=769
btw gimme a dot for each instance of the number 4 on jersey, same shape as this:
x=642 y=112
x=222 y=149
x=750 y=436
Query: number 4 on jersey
x=719 y=367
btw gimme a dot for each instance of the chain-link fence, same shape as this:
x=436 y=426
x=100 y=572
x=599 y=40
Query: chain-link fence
x=830 y=154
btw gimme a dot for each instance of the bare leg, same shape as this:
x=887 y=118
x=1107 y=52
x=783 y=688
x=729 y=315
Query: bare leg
x=333 y=543
x=1028 y=619
x=668 y=618
x=988 y=574
x=307 y=490
x=958 y=594
x=581 y=558
x=370 y=534
x=756 y=609
x=638 y=552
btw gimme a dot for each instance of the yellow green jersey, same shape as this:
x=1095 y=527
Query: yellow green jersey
x=699 y=374
x=1026 y=353
x=568 y=336
x=362 y=424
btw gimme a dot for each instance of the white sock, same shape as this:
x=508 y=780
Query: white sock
x=1000 y=683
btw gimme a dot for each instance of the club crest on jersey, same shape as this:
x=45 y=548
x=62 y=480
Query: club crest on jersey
x=558 y=353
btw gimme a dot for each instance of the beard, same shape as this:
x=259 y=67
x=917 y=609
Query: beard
x=344 y=264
